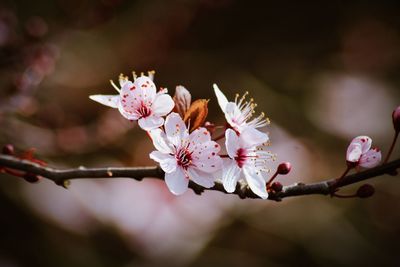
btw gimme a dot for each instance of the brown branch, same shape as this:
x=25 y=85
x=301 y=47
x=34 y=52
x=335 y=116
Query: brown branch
x=242 y=190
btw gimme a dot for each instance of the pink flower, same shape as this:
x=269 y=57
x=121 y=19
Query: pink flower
x=360 y=153
x=246 y=160
x=139 y=101
x=184 y=156
x=239 y=114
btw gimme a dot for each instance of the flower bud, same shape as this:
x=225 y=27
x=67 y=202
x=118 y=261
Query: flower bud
x=8 y=149
x=182 y=99
x=276 y=186
x=31 y=178
x=284 y=168
x=366 y=190
x=396 y=119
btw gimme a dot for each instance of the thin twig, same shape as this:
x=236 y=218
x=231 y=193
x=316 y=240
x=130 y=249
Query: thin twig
x=242 y=190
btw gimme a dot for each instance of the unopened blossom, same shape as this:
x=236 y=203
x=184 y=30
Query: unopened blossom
x=360 y=153
x=396 y=119
x=182 y=99
x=246 y=161
x=183 y=156
x=139 y=101
x=239 y=115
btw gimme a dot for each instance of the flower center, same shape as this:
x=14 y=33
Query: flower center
x=144 y=111
x=184 y=157
x=241 y=157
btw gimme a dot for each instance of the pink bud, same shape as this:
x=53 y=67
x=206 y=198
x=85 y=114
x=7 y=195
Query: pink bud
x=284 y=168
x=396 y=119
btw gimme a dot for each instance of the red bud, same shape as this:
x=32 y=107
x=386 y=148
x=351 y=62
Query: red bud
x=276 y=186
x=366 y=190
x=396 y=119
x=284 y=168
x=8 y=149
x=31 y=178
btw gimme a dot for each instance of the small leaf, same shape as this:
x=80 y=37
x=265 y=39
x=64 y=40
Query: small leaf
x=182 y=99
x=196 y=114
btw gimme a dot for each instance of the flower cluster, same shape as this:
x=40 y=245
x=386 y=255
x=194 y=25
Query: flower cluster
x=184 y=146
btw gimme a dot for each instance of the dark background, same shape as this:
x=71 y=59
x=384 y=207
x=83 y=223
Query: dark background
x=323 y=71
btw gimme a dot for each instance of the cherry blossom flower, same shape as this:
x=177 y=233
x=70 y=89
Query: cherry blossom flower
x=360 y=153
x=139 y=101
x=239 y=114
x=184 y=156
x=246 y=159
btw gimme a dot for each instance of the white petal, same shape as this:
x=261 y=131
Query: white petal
x=162 y=105
x=222 y=100
x=177 y=181
x=230 y=175
x=204 y=179
x=175 y=129
x=167 y=162
x=250 y=137
x=233 y=115
x=160 y=141
x=371 y=159
x=107 y=100
x=256 y=182
x=354 y=152
x=364 y=141
x=150 y=122
x=231 y=142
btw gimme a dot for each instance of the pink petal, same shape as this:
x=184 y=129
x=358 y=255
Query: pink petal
x=209 y=162
x=130 y=115
x=107 y=100
x=162 y=105
x=222 y=100
x=371 y=159
x=150 y=122
x=177 y=181
x=204 y=179
x=231 y=143
x=175 y=129
x=160 y=141
x=250 y=137
x=199 y=135
x=354 y=152
x=364 y=141
x=167 y=162
x=256 y=182
x=230 y=175
x=145 y=88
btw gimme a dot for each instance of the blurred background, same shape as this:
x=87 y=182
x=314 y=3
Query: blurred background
x=323 y=71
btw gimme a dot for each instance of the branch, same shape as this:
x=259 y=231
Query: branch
x=242 y=190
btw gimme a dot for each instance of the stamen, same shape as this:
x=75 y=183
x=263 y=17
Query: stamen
x=115 y=86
